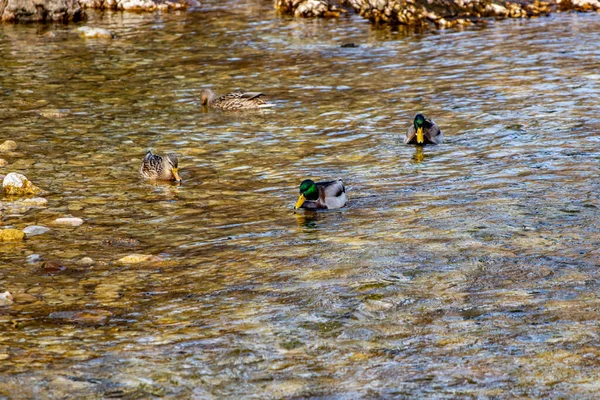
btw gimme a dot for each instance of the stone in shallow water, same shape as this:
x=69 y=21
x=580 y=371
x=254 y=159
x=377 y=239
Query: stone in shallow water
x=84 y=316
x=69 y=221
x=138 y=258
x=6 y=299
x=34 y=202
x=3 y=162
x=34 y=230
x=33 y=258
x=18 y=185
x=85 y=262
x=121 y=242
x=8 y=145
x=91 y=32
x=53 y=266
x=7 y=235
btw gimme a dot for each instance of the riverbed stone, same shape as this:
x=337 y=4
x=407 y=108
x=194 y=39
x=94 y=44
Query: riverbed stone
x=11 y=235
x=33 y=202
x=83 y=316
x=138 y=258
x=16 y=184
x=35 y=230
x=33 y=258
x=85 y=262
x=8 y=145
x=6 y=298
x=3 y=163
x=53 y=266
x=93 y=32
x=68 y=221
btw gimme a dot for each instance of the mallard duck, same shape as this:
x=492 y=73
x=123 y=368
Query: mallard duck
x=234 y=100
x=323 y=195
x=160 y=168
x=423 y=131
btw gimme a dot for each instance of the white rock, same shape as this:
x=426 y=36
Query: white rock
x=6 y=299
x=34 y=202
x=33 y=258
x=18 y=184
x=138 y=258
x=34 y=230
x=70 y=221
x=90 y=32
x=14 y=179
x=85 y=261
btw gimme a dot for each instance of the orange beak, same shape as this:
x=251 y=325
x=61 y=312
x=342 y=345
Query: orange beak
x=176 y=175
x=420 y=136
x=300 y=201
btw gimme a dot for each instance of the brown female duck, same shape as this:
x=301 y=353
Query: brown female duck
x=160 y=168
x=234 y=100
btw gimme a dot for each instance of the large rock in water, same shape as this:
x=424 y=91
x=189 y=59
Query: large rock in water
x=40 y=10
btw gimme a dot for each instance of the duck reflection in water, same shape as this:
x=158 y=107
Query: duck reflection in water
x=419 y=155
x=307 y=219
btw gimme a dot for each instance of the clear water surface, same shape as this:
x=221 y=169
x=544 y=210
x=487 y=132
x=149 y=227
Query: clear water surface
x=468 y=269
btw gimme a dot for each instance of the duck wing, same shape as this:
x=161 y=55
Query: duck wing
x=251 y=95
x=434 y=134
x=331 y=188
x=410 y=135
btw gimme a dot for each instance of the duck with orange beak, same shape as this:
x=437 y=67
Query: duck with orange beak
x=321 y=195
x=160 y=168
x=423 y=131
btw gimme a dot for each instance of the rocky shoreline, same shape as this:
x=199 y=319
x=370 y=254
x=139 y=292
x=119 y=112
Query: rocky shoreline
x=418 y=13
x=74 y=10
x=432 y=13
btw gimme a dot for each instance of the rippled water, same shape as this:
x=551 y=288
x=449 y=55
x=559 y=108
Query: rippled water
x=466 y=269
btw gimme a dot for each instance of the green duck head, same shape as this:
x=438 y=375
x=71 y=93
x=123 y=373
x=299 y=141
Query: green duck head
x=308 y=191
x=419 y=123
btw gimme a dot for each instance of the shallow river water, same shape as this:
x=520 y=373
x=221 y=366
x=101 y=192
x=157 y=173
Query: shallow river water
x=466 y=269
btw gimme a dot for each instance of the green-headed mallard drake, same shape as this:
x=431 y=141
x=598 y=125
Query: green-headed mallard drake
x=423 y=131
x=321 y=195
x=160 y=168
x=234 y=100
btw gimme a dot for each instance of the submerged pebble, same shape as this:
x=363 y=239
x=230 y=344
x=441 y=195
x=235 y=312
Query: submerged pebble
x=16 y=184
x=8 y=235
x=53 y=266
x=85 y=262
x=84 y=316
x=69 y=221
x=138 y=258
x=3 y=162
x=91 y=32
x=34 y=202
x=33 y=258
x=34 y=230
x=8 y=145
x=121 y=242
x=6 y=299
